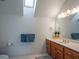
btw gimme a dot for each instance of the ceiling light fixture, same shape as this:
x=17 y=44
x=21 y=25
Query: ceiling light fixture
x=68 y=12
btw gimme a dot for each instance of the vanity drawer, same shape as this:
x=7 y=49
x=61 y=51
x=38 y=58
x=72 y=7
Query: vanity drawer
x=59 y=47
x=53 y=44
x=67 y=51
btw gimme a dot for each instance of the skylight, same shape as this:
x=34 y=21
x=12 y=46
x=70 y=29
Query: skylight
x=29 y=3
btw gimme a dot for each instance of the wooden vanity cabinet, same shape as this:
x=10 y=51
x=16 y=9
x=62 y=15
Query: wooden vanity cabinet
x=76 y=55
x=48 y=47
x=70 y=54
x=53 y=52
x=57 y=51
x=59 y=54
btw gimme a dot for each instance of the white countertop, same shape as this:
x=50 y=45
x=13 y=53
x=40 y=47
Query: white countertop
x=72 y=44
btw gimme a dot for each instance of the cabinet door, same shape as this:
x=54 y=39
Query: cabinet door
x=76 y=55
x=59 y=54
x=53 y=52
x=68 y=54
x=48 y=46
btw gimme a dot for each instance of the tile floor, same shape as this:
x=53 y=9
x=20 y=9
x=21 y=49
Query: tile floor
x=27 y=56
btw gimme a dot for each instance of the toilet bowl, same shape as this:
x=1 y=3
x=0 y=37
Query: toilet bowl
x=4 y=57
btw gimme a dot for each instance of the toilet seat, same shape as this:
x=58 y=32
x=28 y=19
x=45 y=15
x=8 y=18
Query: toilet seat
x=4 y=57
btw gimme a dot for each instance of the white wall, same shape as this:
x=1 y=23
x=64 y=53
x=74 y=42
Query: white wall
x=48 y=8
x=14 y=7
x=12 y=25
x=69 y=4
x=67 y=24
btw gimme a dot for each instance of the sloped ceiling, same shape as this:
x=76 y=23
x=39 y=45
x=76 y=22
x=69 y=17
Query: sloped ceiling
x=48 y=8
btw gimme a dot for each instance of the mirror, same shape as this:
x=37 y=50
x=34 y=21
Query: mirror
x=68 y=25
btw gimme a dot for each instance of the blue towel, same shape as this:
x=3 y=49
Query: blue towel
x=27 y=37
x=75 y=35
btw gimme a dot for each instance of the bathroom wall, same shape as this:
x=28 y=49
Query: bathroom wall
x=69 y=24
x=69 y=4
x=14 y=7
x=12 y=24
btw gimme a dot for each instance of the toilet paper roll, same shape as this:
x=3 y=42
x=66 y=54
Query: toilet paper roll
x=10 y=44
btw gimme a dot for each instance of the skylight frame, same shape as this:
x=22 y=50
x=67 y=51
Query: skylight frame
x=29 y=6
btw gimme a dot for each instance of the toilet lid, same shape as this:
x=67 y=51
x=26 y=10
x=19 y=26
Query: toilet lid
x=4 y=57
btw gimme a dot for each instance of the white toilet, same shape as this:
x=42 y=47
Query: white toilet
x=4 y=57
